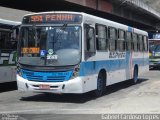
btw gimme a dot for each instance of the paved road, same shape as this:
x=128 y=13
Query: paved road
x=123 y=97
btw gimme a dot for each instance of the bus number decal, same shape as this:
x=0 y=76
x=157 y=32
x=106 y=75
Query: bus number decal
x=52 y=57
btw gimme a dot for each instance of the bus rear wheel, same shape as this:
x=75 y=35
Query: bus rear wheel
x=135 y=76
x=101 y=85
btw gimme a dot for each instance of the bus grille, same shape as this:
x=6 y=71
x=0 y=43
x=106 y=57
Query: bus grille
x=46 y=76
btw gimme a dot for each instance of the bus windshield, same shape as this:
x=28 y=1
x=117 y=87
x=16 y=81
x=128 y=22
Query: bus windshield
x=50 y=45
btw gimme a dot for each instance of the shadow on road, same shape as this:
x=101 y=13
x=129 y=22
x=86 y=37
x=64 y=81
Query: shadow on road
x=9 y=86
x=123 y=85
x=79 y=98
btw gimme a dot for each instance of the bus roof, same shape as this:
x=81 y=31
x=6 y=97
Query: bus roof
x=9 y=22
x=54 y=12
x=96 y=18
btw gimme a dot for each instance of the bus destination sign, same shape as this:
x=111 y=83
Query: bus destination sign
x=57 y=18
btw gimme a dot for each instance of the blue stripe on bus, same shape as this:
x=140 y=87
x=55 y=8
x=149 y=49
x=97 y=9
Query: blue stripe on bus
x=46 y=76
x=93 y=67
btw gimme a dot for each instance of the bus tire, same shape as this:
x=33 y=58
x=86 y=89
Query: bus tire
x=135 y=75
x=101 y=85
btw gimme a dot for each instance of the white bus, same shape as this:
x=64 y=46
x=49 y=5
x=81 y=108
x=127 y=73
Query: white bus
x=8 y=48
x=74 y=52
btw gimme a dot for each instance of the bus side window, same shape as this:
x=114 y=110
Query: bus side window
x=121 y=42
x=101 y=37
x=112 y=35
x=140 y=42
x=145 y=43
x=128 y=41
x=135 y=44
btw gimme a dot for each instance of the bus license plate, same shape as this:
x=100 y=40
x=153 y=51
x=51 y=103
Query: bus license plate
x=44 y=87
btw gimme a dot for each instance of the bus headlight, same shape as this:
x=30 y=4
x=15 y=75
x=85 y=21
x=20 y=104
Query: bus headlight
x=75 y=72
x=19 y=72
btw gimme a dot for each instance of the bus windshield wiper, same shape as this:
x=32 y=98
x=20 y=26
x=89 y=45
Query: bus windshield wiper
x=63 y=27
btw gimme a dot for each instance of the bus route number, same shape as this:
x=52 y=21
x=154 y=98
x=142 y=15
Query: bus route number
x=37 y=18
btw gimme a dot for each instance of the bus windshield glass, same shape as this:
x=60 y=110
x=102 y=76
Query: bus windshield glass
x=50 y=45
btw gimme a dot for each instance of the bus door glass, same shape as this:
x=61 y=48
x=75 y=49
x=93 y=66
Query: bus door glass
x=89 y=38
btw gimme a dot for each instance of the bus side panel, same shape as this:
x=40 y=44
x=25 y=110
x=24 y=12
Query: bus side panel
x=5 y=74
x=140 y=59
x=89 y=75
x=91 y=69
x=116 y=76
x=117 y=70
x=145 y=67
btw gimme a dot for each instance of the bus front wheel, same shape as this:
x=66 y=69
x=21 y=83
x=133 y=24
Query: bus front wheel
x=101 y=85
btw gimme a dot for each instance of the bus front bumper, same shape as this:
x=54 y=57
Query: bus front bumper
x=70 y=86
